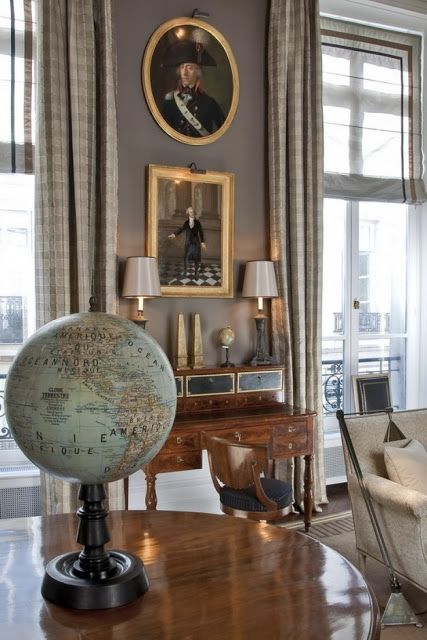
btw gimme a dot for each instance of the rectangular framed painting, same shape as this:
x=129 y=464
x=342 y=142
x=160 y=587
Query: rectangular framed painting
x=371 y=392
x=190 y=230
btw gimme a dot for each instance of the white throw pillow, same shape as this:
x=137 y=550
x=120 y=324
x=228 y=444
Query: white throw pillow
x=407 y=465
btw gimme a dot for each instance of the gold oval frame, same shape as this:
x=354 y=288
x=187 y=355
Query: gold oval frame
x=146 y=79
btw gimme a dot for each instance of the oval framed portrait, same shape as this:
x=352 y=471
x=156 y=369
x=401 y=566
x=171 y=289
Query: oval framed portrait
x=190 y=80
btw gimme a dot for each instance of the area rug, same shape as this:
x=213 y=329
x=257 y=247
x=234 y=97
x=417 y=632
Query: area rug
x=336 y=531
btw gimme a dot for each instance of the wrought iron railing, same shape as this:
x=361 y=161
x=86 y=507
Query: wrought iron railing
x=369 y=322
x=332 y=377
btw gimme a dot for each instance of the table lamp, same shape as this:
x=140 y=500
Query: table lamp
x=141 y=281
x=260 y=282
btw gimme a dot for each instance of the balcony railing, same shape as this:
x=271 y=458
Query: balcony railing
x=369 y=322
x=332 y=377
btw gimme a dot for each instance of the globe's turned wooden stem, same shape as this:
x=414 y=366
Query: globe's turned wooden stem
x=94 y=578
x=93 y=561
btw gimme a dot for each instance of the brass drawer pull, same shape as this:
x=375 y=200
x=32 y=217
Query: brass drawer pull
x=179 y=440
x=290 y=445
x=179 y=460
x=291 y=429
x=238 y=435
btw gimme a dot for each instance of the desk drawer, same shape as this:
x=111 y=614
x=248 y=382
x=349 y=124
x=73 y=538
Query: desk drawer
x=254 y=435
x=291 y=438
x=208 y=385
x=253 y=381
x=165 y=462
x=256 y=399
x=177 y=443
x=209 y=403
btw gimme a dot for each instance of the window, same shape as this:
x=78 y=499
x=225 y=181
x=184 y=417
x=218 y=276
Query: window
x=373 y=176
x=372 y=113
x=364 y=301
x=17 y=297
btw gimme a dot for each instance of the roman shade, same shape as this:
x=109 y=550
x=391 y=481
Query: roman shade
x=372 y=113
x=16 y=86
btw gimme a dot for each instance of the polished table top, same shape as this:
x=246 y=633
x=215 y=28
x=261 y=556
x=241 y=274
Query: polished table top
x=211 y=578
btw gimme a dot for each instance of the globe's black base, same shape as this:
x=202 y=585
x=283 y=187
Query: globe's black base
x=67 y=585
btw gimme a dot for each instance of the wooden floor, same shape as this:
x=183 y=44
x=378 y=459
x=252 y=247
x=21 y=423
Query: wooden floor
x=338 y=502
x=338 y=499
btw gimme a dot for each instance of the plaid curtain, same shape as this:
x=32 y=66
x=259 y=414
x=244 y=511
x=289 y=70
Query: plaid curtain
x=76 y=177
x=17 y=47
x=295 y=140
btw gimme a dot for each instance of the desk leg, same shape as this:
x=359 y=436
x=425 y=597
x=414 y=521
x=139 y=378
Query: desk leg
x=308 y=492
x=150 y=494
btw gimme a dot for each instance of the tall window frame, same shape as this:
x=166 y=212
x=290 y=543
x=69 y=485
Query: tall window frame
x=406 y=18
x=17 y=142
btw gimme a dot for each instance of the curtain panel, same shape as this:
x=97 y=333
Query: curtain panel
x=372 y=113
x=76 y=177
x=295 y=138
x=17 y=50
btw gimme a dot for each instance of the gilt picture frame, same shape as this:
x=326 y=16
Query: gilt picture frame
x=190 y=230
x=193 y=105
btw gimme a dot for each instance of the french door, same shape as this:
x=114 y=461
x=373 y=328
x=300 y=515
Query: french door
x=364 y=299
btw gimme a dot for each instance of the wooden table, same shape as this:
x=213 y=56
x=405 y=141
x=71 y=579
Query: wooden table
x=211 y=578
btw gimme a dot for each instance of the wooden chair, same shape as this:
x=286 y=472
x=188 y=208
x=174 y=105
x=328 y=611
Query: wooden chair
x=236 y=470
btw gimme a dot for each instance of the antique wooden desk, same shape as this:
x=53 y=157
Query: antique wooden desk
x=241 y=403
x=211 y=577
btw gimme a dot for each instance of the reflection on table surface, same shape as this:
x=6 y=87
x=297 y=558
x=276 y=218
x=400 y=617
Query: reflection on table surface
x=211 y=577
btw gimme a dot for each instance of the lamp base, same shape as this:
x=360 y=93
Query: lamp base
x=261 y=357
x=258 y=360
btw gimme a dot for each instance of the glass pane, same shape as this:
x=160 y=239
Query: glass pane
x=332 y=376
x=382 y=272
x=17 y=297
x=333 y=266
x=386 y=355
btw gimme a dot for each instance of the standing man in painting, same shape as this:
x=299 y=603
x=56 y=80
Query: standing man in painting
x=194 y=241
x=188 y=108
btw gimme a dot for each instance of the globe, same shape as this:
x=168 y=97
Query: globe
x=90 y=398
x=226 y=336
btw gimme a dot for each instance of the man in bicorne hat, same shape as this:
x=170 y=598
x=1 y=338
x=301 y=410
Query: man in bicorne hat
x=188 y=109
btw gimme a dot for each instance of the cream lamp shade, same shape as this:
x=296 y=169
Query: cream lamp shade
x=141 y=280
x=260 y=281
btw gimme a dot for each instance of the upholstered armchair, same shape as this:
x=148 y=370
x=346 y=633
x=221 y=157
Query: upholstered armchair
x=401 y=511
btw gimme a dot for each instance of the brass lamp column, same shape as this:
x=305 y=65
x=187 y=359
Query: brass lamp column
x=260 y=282
x=141 y=281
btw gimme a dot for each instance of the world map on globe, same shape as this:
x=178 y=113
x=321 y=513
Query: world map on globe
x=226 y=336
x=90 y=398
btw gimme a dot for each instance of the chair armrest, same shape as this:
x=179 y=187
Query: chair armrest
x=396 y=496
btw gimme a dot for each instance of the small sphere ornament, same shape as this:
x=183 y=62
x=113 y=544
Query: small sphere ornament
x=226 y=339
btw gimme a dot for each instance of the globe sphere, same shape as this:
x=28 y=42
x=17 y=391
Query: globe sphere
x=226 y=336
x=90 y=398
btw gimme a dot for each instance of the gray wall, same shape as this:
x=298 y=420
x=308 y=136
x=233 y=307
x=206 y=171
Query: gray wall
x=241 y=150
